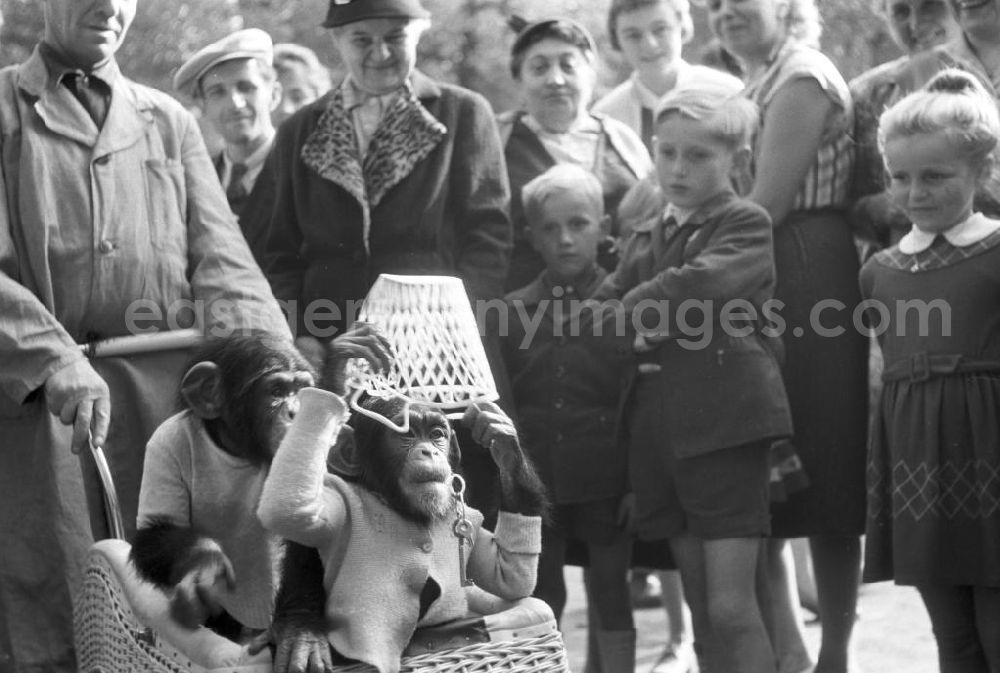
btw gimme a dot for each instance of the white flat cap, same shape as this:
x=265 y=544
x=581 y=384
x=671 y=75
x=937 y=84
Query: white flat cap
x=249 y=43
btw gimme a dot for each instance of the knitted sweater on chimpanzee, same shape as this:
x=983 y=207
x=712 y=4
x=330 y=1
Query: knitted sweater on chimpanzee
x=377 y=563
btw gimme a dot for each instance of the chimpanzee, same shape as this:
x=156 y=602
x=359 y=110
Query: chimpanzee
x=396 y=539
x=198 y=535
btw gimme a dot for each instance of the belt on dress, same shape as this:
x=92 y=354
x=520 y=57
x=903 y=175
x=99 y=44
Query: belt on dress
x=922 y=366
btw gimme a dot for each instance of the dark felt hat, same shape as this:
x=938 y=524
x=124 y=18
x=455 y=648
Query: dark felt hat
x=343 y=12
x=527 y=32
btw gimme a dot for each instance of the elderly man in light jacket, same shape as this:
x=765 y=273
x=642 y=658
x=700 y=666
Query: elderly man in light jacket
x=112 y=222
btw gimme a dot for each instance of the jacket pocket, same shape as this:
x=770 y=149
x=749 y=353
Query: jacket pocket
x=166 y=199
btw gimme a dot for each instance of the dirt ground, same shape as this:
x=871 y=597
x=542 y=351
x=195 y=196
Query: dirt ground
x=893 y=632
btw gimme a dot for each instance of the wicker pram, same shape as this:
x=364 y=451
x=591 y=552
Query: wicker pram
x=122 y=624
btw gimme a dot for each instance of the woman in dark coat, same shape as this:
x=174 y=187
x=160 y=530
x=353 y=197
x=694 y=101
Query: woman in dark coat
x=389 y=172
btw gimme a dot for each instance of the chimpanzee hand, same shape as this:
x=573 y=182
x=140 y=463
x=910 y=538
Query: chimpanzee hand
x=492 y=428
x=362 y=340
x=79 y=397
x=300 y=644
x=521 y=490
x=203 y=579
x=298 y=632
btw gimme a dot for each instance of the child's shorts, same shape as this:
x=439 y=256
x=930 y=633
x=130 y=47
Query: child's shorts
x=718 y=495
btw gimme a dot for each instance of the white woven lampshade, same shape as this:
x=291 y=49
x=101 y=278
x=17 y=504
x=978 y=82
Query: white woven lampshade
x=440 y=360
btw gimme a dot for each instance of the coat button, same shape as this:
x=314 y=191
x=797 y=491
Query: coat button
x=106 y=246
x=560 y=371
x=558 y=404
x=559 y=437
x=427 y=547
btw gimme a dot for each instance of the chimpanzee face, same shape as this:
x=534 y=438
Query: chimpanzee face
x=425 y=475
x=411 y=470
x=245 y=389
x=275 y=397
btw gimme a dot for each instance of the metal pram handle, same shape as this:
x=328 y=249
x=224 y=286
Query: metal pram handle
x=118 y=346
x=112 y=509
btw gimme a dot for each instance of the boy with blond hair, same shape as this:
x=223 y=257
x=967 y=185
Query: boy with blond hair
x=567 y=378
x=708 y=396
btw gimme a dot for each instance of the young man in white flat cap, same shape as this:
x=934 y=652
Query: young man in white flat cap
x=234 y=83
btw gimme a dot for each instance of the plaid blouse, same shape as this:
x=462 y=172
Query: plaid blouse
x=828 y=180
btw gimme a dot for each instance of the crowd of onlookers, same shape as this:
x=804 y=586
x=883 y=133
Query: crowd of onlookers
x=758 y=179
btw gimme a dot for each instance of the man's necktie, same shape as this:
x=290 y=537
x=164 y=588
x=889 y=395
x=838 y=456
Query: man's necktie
x=236 y=192
x=92 y=92
x=676 y=237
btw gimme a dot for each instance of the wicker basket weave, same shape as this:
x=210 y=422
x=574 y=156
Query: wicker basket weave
x=111 y=636
x=543 y=654
x=440 y=359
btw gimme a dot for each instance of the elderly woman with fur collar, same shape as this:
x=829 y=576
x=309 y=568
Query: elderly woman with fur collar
x=389 y=172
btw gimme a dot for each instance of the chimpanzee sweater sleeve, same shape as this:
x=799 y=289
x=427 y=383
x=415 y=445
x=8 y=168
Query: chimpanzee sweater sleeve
x=294 y=503
x=505 y=562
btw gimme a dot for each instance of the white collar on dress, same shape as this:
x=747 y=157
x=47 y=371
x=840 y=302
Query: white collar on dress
x=974 y=229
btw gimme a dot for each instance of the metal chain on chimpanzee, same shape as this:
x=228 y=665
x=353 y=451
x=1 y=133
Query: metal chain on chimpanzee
x=462 y=528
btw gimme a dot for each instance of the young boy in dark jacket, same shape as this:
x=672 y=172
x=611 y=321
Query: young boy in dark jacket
x=567 y=371
x=709 y=401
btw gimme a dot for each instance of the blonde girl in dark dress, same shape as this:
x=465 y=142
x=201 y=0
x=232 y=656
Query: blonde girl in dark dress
x=934 y=466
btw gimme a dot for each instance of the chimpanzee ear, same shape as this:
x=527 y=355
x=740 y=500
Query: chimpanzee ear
x=344 y=458
x=201 y=389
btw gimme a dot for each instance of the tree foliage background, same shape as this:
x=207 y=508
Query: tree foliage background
x=467 y=44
